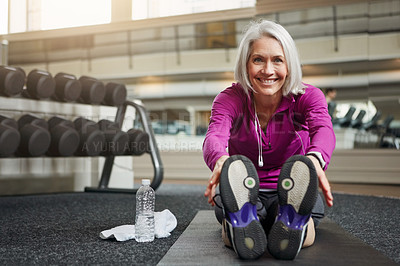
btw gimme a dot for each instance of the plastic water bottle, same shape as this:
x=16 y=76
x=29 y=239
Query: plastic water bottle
x=144 y=222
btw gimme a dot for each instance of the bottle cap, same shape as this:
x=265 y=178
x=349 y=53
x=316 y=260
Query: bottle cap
x=145 y=182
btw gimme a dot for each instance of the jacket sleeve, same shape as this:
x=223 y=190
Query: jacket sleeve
x=322 y=137
x=222 y=117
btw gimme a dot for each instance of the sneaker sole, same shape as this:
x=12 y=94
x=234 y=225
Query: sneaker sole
x=297 y=194
x=239 y=186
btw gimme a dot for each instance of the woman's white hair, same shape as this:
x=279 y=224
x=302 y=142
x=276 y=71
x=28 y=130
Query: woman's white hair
x=256 y=30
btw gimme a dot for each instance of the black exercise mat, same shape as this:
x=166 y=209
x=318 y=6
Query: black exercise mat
x=201 y=244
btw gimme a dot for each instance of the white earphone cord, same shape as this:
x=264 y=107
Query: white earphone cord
x=257 y=126
x=259 y=138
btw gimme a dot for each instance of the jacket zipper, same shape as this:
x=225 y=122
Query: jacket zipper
x=267 y=135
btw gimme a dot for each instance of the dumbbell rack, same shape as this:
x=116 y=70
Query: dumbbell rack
x=40 y=85
x=154 y=153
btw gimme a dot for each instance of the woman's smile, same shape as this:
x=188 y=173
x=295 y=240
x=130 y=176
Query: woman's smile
x=267 y=67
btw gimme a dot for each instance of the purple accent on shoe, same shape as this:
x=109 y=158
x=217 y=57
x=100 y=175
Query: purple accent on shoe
x=244 y=216
x=291 y=218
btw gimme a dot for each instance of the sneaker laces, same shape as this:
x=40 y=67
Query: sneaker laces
x=215 y=196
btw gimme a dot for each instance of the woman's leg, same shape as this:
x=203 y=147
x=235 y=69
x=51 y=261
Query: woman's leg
x=270 y=203
x=219 y=214
x=310 y=235
x=317 y=214
x=270 y=208
x=297 y=194
x=239 y=186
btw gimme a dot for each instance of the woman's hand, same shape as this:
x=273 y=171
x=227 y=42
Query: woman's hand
x=323 y=181
x=214 y=180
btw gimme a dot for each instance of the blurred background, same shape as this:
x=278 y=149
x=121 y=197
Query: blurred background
x=175 y=56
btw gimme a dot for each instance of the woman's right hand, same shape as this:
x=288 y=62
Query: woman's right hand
x=214 y=179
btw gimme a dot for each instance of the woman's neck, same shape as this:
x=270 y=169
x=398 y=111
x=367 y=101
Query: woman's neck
x=265 y=107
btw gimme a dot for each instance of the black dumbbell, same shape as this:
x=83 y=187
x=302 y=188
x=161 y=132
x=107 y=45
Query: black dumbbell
x=9 y=136
x=93 y=90
x=115 y=94
x=35 y=136
x=64 y=137
x=40 y=84
x=138 y=142
x=12 y=80
x=68 y=88
x=116 y=139
x=92 y=139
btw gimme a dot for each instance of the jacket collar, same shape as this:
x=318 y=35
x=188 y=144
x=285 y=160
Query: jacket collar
x=286 y=104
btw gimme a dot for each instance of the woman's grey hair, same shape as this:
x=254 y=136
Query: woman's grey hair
x=256 y=30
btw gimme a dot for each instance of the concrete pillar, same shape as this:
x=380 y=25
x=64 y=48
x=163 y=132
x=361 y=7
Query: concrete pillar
x=4 y=52
x=192 y=121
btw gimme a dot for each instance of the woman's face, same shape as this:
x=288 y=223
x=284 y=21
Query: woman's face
x=267 y=68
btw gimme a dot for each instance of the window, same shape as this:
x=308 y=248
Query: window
x=17 y=13
x=142 y=9
x=3 y=16
x=72 y=13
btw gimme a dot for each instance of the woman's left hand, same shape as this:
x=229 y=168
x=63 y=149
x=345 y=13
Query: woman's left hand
x=323 y=181
x=214 y=180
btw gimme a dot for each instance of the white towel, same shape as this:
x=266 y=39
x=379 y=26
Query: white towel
x=164 y=223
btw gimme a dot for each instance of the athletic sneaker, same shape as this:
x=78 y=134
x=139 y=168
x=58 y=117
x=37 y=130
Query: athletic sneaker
x=239 y=192
x=297 y=194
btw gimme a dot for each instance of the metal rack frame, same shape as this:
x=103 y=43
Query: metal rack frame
x=154 y=153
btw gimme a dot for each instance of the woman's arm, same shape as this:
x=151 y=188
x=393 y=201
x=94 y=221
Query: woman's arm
x=215 y=144
x=322 y=136
x=214 y=180
x=323 y=181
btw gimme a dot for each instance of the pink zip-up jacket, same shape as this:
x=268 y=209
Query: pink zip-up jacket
x=300 y=125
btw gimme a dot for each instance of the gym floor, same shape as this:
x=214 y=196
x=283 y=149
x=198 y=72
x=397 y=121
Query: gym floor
x=63 y=228
x=367 y=189
x=378 y=190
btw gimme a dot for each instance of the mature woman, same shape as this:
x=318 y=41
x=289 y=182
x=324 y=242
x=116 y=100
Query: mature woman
x=279 y=138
